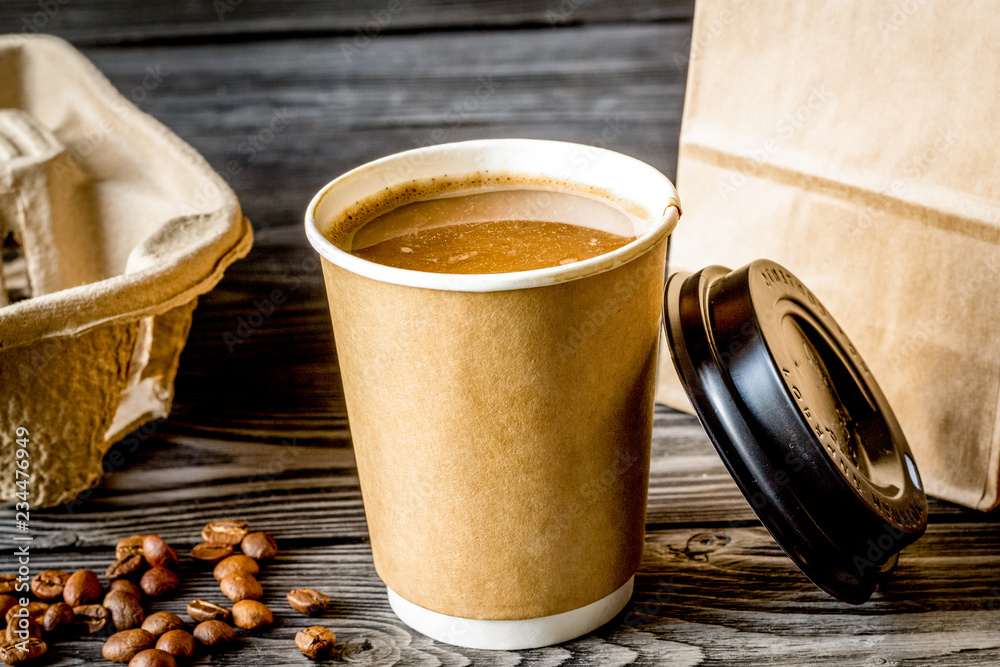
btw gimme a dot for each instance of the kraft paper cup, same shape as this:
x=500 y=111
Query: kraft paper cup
x=501 y=422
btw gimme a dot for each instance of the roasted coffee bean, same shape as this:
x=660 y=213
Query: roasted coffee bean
x=251 y=614
x=33 y=610
x=316 y=642
x=125 y=567
x=49 y=585
x=178 y=643
x=126 y=610
x=123 y=646
x=158 y=553
x=259 y=545
x=57 y=617
x=241 y=586
x=127 y=586
x=83 y=587
x=129 y=546
x=225 y=532
x=6 y=602
x=237 y=563
x=153 y=657
x=203 y=610
x=158 y=581
x=308 y=601
x=21 y=652
x=90 y=618
x=8 y=583
x=211 y=553
x=23 y=627
x=214 y=633
x=161 y=622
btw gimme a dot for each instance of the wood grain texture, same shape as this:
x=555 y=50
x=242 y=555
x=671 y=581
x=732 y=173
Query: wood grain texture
x=259 y=428
x=121 y=21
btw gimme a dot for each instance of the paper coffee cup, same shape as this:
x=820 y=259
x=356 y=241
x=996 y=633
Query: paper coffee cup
x=501 y=422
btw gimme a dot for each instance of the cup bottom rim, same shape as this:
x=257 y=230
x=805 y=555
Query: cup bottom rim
x=511 y=635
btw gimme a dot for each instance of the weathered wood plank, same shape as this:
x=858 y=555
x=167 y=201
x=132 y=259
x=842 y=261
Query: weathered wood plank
x=736 y=601
x=118 y=21
x=174 y=481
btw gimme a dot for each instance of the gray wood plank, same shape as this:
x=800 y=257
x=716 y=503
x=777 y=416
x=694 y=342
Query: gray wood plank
x=618 y=86
x=737 y=602
x=118 y=21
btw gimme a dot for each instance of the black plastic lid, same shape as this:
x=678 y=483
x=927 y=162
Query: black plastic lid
x=798 y=420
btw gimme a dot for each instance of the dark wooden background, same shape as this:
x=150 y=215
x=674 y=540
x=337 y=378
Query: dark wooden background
x=259 y=430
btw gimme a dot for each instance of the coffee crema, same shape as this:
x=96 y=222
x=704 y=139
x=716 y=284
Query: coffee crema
x=499 y=231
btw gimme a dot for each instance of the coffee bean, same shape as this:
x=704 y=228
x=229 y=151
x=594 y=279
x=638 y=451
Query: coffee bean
x=90 y=618
x=123 y=646
x=158 y=581
x=153 y=657
x=129 y=546
x=82 y=588
x=241 y=586
x=126 y=610
x=6 y=602
x=178 y=643
x=211 y=553
x=20 y=652
x=158 y=553
x=225 y=532
x=308 y=601
x=8 y=583
x=57 y=617
x=259 y=545
x=125 y=567
x=32 y=610
x=128 y=587
x=250 y=615
x=214 y=633
x=162 y=622
x=23 y=627
x=203 y=610
x=49 y=585
x=316 y=642
x=237 y=563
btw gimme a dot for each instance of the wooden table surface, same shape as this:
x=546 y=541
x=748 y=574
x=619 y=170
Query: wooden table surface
x=259 y=429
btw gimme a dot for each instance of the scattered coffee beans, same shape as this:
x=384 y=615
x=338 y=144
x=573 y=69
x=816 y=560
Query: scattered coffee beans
x=251 y=614
x=57 y=617
x=203 y=610
x=125 y=567
x=308 y=601
x=153 y=657
x=123 y=646
x=162 y=622
x=158 y=553
x=23 y=627
x=126 y=610
x=158 y=581
x=211 y=553
x=225 y=532
x=90 y=618
x=237 y=563
x=241 y=586
x=316 y=642
x=82 y=588
x=49 y=585
x=128 y=587
x=129 y=546
x=178 y=643
x=17 y=653
x=260 y=546
x=33 y=610
x=8 y=583
x=214 y=634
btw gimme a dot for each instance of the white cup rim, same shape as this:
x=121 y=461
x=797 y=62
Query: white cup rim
x=661 y=226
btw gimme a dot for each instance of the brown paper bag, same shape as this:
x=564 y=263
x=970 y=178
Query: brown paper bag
x=856 y=144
